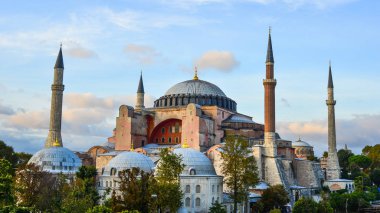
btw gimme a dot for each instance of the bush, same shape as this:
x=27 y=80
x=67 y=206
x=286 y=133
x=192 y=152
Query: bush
x=305 y=205
x=275 y=211
x=99 y=209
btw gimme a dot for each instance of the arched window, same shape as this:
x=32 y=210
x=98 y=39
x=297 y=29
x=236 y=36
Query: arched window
x=106 y=183
x=187 y=190
x=217 y=188
x=163 y=130
x=163 y=140
x=187 y=202
x=169 y=140
x=198 y=189
x=212 y=189
x=213 y=200
x=176 y=140
x=198 y=202
x=102 y=170
x=113 y=171
x=192 y=171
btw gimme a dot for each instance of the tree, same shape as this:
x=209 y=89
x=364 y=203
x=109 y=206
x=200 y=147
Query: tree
x=217 y=208
x=343 y=156
x=6 y=197
x=305 y=205
x=7 y=152
x=22 y=158
x=361 y=161
x=239 y=168
x=99 y=209
x=373 y=152
x=273 y=197
x=167 y=188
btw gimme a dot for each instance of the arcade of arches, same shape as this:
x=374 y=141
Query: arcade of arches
x=167 y=132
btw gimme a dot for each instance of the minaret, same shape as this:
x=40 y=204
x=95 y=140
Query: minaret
x=333 y=168
x=54 y=138
x=140 y=95
x=269 y=104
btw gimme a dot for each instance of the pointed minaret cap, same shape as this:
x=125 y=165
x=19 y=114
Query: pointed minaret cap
x=140 y=89
x=269 y=50
x=59 y=61
x=330 y=83
x=56 y=143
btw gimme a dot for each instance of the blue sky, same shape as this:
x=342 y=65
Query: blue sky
x=107 y=43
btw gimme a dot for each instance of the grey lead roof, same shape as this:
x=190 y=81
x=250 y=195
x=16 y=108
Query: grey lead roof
x=59 y=61
x=198 y=87
x=140 y=89
x=330 y=83
x=269 y=50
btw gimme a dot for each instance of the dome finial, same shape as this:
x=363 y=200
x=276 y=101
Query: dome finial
x=195 y=73
x=132 y=148
x=56 y=143
x=185 y=145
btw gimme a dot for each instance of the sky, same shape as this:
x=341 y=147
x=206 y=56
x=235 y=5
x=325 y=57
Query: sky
x=106 y=44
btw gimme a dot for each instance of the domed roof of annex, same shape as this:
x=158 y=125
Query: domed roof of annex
x=56 y=160
x=300 y=143
x=196 y=161
x=129 y=159
x=197 y=87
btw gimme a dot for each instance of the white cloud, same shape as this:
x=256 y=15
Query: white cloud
x=6 y=110
x=356 y=132
x=143 y=54
x=219 y=60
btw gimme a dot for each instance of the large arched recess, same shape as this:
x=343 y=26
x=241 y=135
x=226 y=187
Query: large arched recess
x=167 y=132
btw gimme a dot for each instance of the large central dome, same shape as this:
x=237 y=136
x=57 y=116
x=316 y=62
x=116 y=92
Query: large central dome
x=197 y=87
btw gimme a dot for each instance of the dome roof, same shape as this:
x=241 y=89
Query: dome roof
x=127 y=160
x=195 y=161
x=56 y=160
x=299 y=143
x=198 y=87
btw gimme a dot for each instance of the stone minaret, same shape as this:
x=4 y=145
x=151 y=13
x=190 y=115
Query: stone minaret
x=333 y=168
x=54 y=138
x=140 y=95
x=269 y=104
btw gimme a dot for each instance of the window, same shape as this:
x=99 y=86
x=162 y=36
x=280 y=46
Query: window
x=142 y=142
x=169 y=140
x=170 y=129
x=163 y=140
x=113 y=171
x=176 y=140
x=187 y=190
x=187 y=202
x=163 y=130
x=198 y=189
x=217 y=188
x=198 y=202
x=213 y=200
x=106 y=183
x=192 y=171
x=212 y=189
x=156 y=140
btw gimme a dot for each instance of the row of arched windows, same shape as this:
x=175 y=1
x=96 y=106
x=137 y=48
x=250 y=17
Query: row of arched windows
x=197 y=202
x=198 y=189
x=108 y=183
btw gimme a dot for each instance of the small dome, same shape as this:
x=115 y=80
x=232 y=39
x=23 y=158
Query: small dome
x=56 y=160
x=128 y=160
x=108 y=145
x=196 y=163
x=300 y=143
x=198 y=87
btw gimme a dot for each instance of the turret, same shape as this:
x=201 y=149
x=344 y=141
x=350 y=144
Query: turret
x=54 y=137
x=140 y=95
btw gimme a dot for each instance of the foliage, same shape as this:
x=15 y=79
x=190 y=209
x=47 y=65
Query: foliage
x=324 y=206
x=16 y=209
x=273 y=197
x=239 y=168
x=99 y=209
x=169 y=167
x=6 y=152
x=22 y=158
x=343 y=156
x=217 y=208
x=361 y=161
x=305 y=205
x=325 y=154
x=373 y=152
x=353 y=201
x=6 y=197
x=275 y=211
x=135 y=193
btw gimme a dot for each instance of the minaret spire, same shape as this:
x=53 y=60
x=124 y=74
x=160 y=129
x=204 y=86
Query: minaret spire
x=195 y=73
x=333 y=168
x=54 y=137
x=269 y=105
x=140 y=95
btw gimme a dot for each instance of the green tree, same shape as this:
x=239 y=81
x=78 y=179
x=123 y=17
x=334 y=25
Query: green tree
x=373 y=152
x=273 y=197
x=6 y=194
x=305 y=205
x=22 y=158
x=239 y=168
x=99 y=209
x=217 y=208
x=167 y=188
x=7 y=153
x=361 y=161
x=275 y=211
x=343 y=156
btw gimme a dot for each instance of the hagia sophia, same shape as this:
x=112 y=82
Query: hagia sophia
x=193 y=118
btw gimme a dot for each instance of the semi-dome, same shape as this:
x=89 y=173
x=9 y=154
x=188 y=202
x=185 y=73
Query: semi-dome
x=56 y=160
x=197 y=87
x=128 y=160
x=196 y=163
x=300 y=143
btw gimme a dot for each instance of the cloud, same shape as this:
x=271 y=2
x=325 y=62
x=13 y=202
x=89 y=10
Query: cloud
x=219 y=60
x=38 y=119
x=80 y=52
x=6 y=110
x=143 y=54
x=357 y=132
